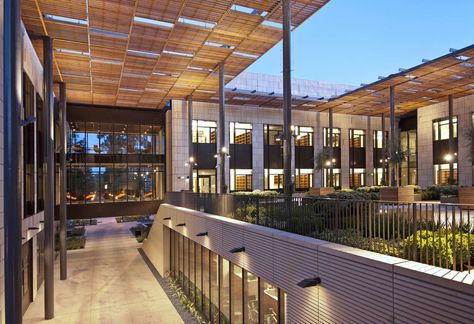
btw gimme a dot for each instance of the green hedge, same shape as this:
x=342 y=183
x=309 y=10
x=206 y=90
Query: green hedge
x=431 y=245
x=256 y=193
x=126 y=219
x=349 y=194
x=436 y=191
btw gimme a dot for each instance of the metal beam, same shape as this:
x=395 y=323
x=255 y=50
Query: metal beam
x=62 y=176
x=287 y=179
x=12 y=90
x=222 y=149
x=190 y=142
x=384 y=147
x=451 y=140
x=48 y=168
x=331 y=149
x=393 y=180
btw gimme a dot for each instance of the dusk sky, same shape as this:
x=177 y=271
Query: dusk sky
x=354 y=42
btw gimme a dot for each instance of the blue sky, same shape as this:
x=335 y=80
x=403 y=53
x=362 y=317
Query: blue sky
x=355 y=41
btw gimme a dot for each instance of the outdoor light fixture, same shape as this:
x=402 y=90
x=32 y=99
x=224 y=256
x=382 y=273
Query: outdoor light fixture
x=181 y=225
x=328 y=163
x=33 y=228
x=448 y=157
x=224 y=149
x=309 y=282
x=238 y=250
x=167 y=218
x=202 y=234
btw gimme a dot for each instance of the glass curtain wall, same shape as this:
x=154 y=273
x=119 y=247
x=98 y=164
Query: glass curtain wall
x=205 y=145
x=336 y=161
x=115 y=163
x=356 y=158
x=222 y=291
x=241 y=156
x=408 y=167
x=304 y=157
x=273 y=157
x=441 y=154
x=380 y=161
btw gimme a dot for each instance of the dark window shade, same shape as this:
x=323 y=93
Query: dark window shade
x=40 y=153
x=28 y=148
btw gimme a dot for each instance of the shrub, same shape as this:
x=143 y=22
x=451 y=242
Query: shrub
x=353 y=195
x=126 y=219
x=140 y=232
x=436 y=191
x=256 y=193
x=433 y=245
x=370 y=189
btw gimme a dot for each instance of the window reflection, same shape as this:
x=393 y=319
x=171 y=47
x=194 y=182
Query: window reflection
x=122 y=172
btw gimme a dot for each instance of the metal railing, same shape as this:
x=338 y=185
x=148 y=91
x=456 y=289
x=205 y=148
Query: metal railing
x=432 y=233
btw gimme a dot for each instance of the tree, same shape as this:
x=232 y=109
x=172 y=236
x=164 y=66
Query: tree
x=395 y=155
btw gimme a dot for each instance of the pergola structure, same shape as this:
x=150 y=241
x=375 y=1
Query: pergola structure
x=143 y=53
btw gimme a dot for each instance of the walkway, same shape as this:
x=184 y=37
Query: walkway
x=108 y=283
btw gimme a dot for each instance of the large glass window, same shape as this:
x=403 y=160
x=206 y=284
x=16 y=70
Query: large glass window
x=356 y=138
x=40 y=153
x=229 y=293
x=408 y=167
x=128 y=169
x=204 y=131
x=272 y=134
x=336 y=177
x=356 y=177
x=205 y=181
x=441 y=172
x=304 y=179
x=378 y=139
x=336 y=137
x=241 y=179
x=273 y=179
x=441 y=129
x=28 y=148
x=240 y=133
x=304 y=136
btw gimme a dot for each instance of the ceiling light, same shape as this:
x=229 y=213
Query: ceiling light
x=462 y=58
x=154 y=90
x=272 y=24
x=238 y=250
x=219 y=45
x=467 y=64
x=198 y=23
x=309 y=282
x=197 y=68
x=178 y=53
x=128 y=89
x=66 y=20
x=101 y=60
x=66 y=51
x=246 y=55
x=206 y=91
x=153 y=22
x=165 y=74
x=108 y=33
x=142 y=53
x=240 y=98
x=411 y=90
x=456 y=77
x=136 y=75
x=410 y=76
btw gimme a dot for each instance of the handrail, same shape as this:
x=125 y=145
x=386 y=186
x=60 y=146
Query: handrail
x=432 y=233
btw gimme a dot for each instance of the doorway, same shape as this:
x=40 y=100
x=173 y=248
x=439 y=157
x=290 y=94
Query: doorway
x=204 y=184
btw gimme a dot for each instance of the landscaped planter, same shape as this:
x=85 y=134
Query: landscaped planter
x=403 y=194
x=466 y=195
x=449 y=200
x=321 y=191
x=417 y=197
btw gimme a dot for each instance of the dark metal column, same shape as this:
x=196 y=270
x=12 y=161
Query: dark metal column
x=62 y=176
x=190 y=142
x=384 y=157
x=48 y=168
x=331 y=149
x=451 y=140
x=393 y=137
x=222 y=149
x=287 y=181
x=12 y=90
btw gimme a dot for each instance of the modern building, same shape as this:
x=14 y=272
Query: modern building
x=112 y=108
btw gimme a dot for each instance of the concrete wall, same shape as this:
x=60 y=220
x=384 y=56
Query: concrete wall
x=357 y=286
x=258 y=117
x=463 y=109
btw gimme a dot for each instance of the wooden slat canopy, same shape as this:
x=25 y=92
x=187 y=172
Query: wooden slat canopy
x=145 y=52
x=423 y=85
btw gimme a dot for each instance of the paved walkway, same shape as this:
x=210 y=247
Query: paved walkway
x=108 y=283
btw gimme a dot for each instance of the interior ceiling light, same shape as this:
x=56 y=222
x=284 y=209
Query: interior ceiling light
x=462 y=58
x=152 y=22
x=198 y=23
x=66 y=51
x=66 y=20
x=142 y=53
x=219 y=45
x=102 y=60
x=108 y=33
x=165 y=74
x=178 y=53
x=246 y=55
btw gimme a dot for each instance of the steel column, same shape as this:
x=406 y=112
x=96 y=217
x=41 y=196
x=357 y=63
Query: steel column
x=451 y=140
x=393 y=181
x=384 y=148
x=48 y=168
x=287 y=179
x=190 y=142
x=222 y=148
x=12 y=90
x=331 y=149
x=62 y=175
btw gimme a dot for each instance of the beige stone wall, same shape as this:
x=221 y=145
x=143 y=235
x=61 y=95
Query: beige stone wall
x=357 y=286
x=258 y=117
x=463 y=109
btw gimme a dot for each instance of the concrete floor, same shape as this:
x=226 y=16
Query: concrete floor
x=108 y=282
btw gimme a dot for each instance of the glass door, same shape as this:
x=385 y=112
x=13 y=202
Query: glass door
x=204 y=184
